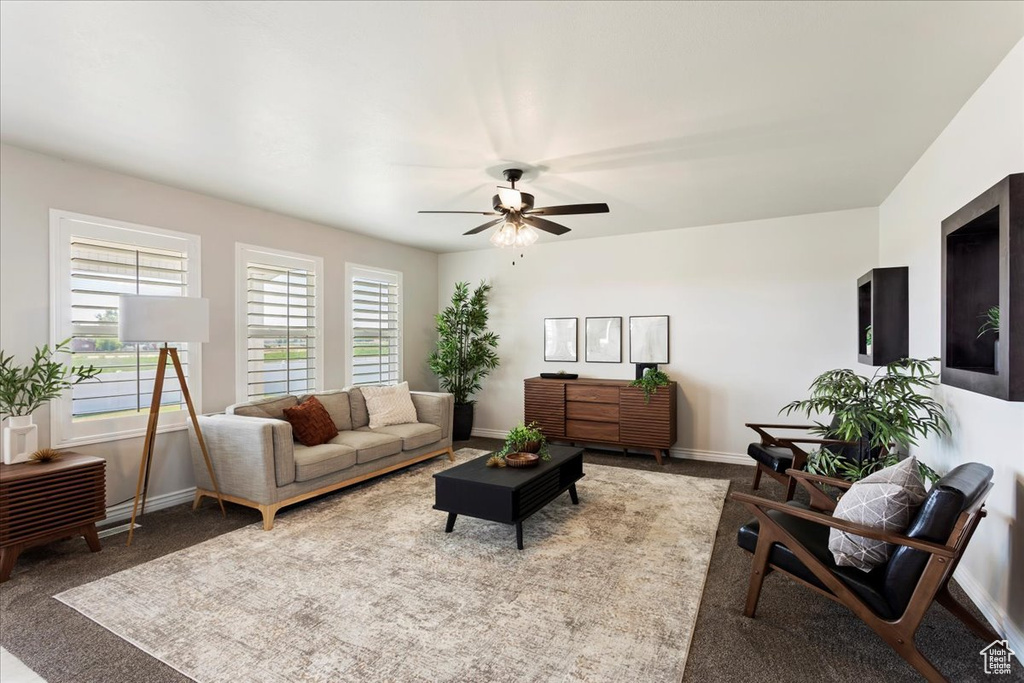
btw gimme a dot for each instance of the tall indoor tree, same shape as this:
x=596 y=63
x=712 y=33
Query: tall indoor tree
x=465 y=352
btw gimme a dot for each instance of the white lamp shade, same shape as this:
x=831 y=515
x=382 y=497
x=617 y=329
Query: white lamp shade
x=163 y=319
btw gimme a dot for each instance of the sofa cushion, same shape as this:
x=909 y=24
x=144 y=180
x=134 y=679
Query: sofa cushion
x=311 y=423
x=413 y=434
x=369 y=446
x=268 y=407
x=389 y=405
x=337 y=405
x=360 y=418
x=316 y=461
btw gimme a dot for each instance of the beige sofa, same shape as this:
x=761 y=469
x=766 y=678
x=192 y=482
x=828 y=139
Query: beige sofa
x=258 y=464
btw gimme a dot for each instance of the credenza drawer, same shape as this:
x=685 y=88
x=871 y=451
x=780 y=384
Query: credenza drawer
x=591 y=393
x=593 y=431
x=596 y=412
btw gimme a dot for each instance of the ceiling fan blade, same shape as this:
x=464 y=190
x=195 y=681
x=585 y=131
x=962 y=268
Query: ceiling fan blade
x=479 y=213
x=481 y=228
x=511 y=199
x=568 y=209
x=546 y=226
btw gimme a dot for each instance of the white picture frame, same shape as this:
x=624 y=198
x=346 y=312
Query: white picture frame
x=560 y=340
x=648 y=339
x=603 y=343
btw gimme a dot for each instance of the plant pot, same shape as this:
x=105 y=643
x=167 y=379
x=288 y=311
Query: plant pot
x=21 y=439
x=462 y=422
x=868 y=349
x=529 y=447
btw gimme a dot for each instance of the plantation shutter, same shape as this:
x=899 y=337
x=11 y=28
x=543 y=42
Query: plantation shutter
x=376 y=333
x=281 y=329
x=100 y=271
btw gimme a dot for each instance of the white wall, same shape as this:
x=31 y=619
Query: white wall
x=982 y=144
x=758 y=309
x=31 y=184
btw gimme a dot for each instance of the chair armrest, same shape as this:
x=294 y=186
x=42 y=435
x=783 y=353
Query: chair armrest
x=251 y=456
x=828 y=481
x=436 y=408
x=754 y=502
x=814 y=485
x=763 y=425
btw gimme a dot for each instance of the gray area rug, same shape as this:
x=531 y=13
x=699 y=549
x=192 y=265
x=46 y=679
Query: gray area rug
x=365 y=585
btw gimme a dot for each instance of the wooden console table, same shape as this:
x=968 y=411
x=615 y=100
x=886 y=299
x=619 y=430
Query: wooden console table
x=49 y=501
x=603 y=411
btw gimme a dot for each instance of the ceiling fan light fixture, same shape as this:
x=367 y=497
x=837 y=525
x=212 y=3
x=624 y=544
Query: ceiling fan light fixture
x=525 y=236
x=505 y=236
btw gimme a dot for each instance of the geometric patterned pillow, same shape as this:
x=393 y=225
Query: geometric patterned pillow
x=389 y=405
x=887 y=500
x=311 y=423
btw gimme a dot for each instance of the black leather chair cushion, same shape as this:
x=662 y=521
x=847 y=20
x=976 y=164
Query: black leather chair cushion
x=935 y=519
x=869 y=587
x=775 y=457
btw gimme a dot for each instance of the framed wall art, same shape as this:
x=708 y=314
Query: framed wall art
x=603 y=340
x=560 y=339
x=648 y=339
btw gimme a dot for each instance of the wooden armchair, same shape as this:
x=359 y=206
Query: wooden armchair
x=892 y=599
x=776 y=455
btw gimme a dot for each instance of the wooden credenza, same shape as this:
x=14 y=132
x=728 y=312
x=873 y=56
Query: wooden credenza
x=602 y=411
x=49 y=501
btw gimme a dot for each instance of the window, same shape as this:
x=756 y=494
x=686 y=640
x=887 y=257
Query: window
x=93 y=261
x=374 y=325
x=279 y=325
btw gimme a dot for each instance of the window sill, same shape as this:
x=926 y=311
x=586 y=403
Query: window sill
x=118 y=436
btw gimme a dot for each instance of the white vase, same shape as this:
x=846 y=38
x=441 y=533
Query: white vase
x=21 y=439
x=868 y=351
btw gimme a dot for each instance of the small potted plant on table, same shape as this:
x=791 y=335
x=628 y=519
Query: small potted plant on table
x=521 y=441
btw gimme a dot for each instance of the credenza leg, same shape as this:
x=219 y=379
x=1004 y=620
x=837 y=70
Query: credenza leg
x=451 y=523
x=8 y=556
x=657 y=456
x=91 y=537
x=519 y=535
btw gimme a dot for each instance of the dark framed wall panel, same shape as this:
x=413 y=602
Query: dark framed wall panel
x=983 y=267
x=882 y=303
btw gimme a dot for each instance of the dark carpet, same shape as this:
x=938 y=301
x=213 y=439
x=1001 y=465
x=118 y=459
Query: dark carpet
x=797 y=635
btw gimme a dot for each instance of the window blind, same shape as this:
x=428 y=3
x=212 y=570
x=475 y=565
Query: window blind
x=281 y=330
x=376 y=337
x=100 y=271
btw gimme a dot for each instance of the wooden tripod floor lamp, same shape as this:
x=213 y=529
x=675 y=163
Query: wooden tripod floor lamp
x=164 y=319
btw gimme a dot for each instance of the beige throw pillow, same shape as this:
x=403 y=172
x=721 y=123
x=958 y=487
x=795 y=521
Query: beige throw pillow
x=390 y=405
x=887 y=500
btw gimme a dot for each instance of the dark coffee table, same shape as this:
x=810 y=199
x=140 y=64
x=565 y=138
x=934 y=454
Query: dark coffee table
x=507 y=494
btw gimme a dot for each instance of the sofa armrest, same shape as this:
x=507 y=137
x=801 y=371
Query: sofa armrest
x=435 y=408
x=251 y=456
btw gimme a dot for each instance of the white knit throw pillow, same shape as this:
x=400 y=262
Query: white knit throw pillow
x=391 y=405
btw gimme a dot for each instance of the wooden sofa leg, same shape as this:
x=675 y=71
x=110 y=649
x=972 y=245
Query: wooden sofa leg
x=757 y=476
x=451 y=454
x=268 y=516
x=199 y=499
x=758 y=568
x=977 y=627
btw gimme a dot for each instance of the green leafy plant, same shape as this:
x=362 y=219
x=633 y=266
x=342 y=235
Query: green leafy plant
x=650 y=381
x=525 y=437
x=465 y=352
x=867 y=335
x=24 y=389
x=990 y=322
x=886 y=413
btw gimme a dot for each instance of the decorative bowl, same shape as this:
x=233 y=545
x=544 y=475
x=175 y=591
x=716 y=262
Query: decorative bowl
x=522 y=459
x=557 y=375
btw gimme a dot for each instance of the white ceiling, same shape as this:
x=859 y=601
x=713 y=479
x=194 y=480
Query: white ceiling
x=356 y=115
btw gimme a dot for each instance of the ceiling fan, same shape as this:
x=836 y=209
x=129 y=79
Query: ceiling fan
x=519 y=217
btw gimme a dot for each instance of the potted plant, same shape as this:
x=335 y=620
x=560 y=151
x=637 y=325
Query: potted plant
x=523 y=438
x=885 y=414
x=990 y=323
x=465 y=352
x=650 y=381
x=23 y=389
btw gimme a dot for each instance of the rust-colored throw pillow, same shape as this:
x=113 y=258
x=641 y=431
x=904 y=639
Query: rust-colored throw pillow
x=311 y=423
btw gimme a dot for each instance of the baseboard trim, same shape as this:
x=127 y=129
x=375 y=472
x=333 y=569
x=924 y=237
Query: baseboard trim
x=123 y=511
x=990 y=609
x=684 y=453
